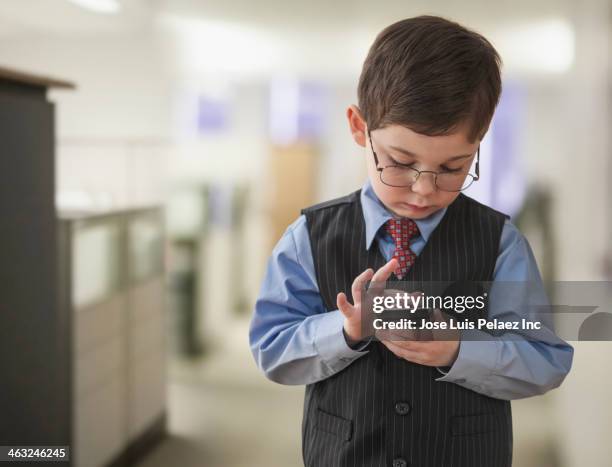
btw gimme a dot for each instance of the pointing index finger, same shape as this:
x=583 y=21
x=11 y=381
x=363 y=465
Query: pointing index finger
x=384 y=272
x=358 y=283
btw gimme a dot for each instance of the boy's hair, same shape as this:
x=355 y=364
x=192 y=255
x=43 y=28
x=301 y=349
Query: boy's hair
x=431 y=75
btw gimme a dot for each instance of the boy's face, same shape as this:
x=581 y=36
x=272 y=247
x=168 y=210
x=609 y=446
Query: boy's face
x=398 y=144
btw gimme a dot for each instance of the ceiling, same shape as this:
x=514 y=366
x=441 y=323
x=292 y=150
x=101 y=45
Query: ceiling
x=270 y=36
x=30 y=18
x=27 y=18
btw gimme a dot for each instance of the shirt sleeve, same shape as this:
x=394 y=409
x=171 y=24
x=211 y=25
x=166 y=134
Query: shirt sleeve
x=503 y=366
x=292 y=336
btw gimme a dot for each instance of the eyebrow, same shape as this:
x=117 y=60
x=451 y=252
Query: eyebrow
x=411 y=154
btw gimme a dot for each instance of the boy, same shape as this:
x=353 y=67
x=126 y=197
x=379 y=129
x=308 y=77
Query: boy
x=427 y=94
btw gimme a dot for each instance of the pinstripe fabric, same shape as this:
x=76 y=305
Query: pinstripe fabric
x=382 y=410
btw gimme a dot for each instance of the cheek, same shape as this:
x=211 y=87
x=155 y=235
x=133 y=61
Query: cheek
x=384 y=192
x=381 y=190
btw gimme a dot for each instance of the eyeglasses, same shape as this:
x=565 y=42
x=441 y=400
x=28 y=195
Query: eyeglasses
x=403 y=176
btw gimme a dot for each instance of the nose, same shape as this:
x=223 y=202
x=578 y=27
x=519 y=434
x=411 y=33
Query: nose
x=425 y=184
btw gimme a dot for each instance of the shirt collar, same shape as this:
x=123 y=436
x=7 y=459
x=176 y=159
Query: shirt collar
x=375 y=214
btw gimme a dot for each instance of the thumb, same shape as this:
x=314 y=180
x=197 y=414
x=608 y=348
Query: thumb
x=344 y=306
x=437 y=315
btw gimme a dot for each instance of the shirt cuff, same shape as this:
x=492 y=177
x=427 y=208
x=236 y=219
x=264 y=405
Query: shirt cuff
x=330 y=343
x=360 y=346
x=476 y=361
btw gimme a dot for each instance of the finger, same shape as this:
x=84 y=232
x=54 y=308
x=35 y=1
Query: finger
x=384 y=272
x=379 y=278
x=408 y=335
x=438 y=316
x=358 y=284
x=407 y=354
x=401 y=341
x=344 y=306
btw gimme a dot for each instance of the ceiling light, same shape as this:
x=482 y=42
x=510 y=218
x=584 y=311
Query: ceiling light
x=99 y=6
x=542 y=46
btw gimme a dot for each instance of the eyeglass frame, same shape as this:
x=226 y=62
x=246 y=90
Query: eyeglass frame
x=475 y=177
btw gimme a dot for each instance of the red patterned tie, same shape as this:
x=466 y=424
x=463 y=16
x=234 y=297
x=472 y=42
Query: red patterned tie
x=403 y=231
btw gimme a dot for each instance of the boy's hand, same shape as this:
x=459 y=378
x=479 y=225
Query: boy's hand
x=352 y=313
x=432 y=352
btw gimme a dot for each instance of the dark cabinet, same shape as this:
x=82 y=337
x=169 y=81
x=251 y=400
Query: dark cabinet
x=34 y=343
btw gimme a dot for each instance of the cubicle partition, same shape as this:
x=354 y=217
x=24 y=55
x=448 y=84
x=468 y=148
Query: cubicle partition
x=113 y=288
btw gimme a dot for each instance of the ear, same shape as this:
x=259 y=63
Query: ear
x=357 y=125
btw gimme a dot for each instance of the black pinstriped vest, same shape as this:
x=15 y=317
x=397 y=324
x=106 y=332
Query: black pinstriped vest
x=382 y=410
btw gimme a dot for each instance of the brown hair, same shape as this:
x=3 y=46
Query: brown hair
x=431 y=75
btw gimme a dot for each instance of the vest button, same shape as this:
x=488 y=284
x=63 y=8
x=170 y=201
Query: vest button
x=399 y=462
x=402 y=408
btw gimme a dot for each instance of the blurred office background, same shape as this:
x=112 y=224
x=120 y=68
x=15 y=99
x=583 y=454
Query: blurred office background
x=196 y=132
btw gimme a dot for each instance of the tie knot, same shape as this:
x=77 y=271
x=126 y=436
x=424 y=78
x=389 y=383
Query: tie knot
x=402 y=230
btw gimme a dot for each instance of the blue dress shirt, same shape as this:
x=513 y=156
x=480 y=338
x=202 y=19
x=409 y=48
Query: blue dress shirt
x=295 y=340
